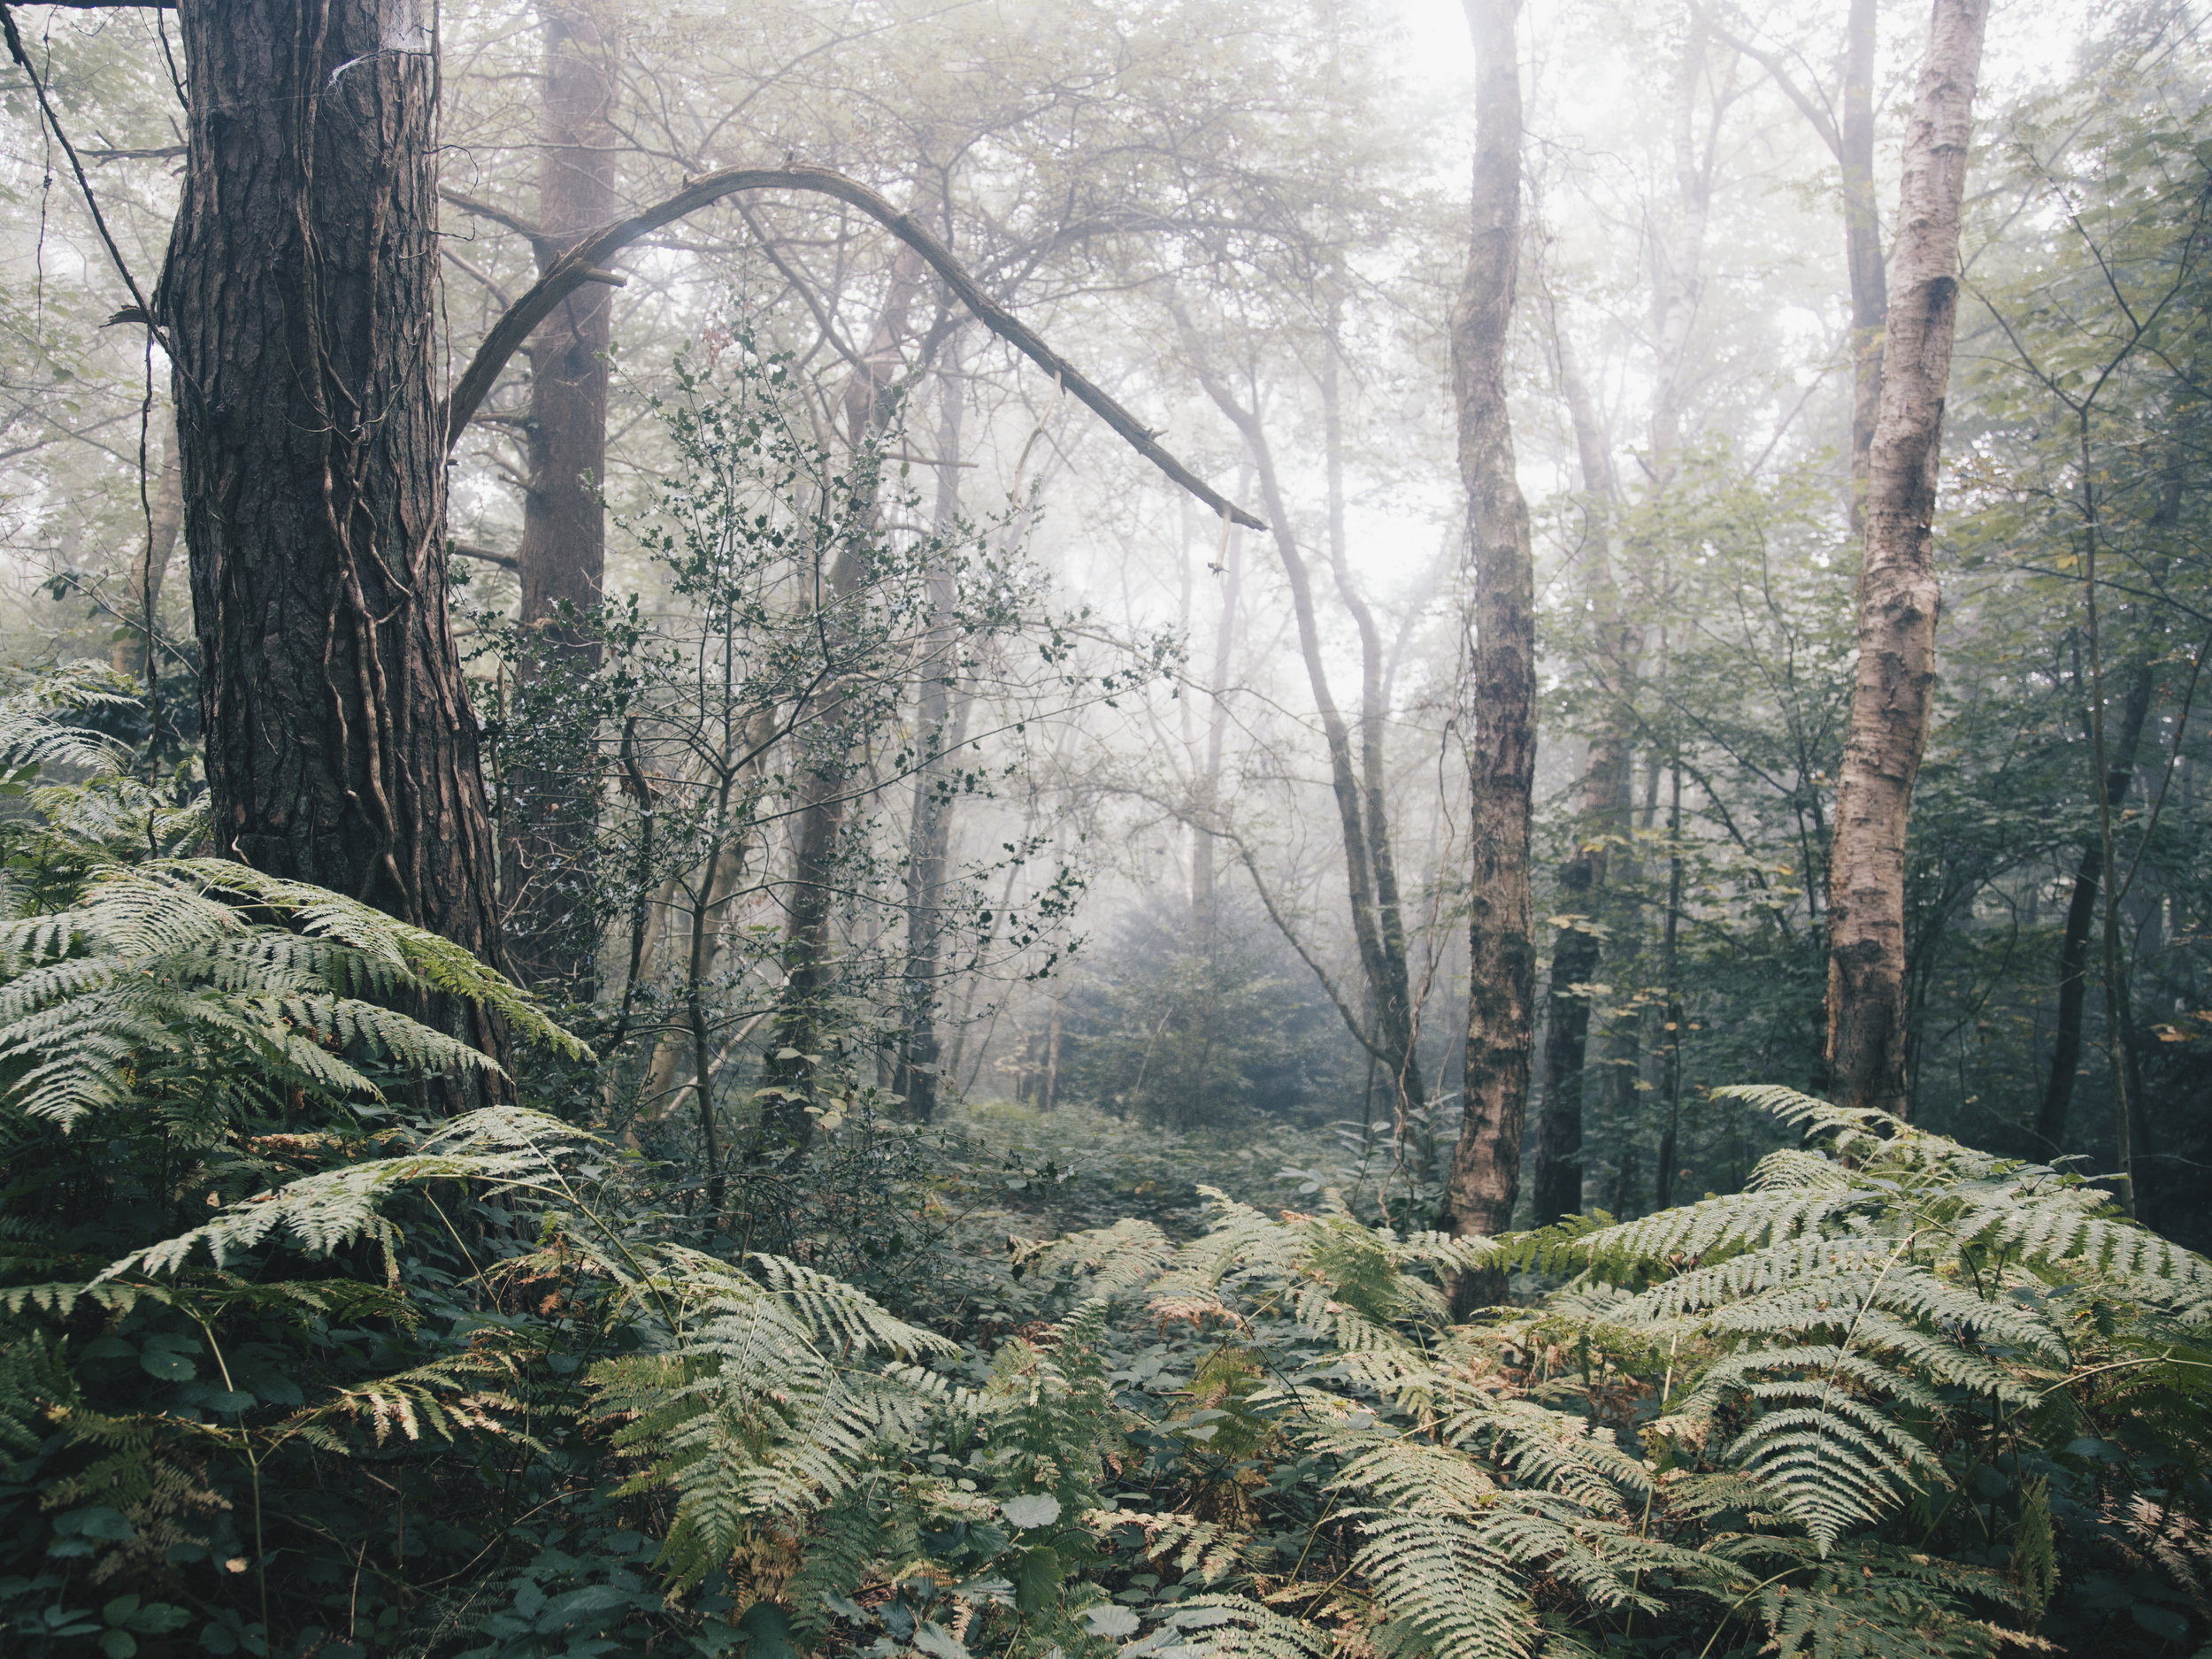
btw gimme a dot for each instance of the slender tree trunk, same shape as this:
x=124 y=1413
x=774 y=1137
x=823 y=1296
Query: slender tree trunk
x=1679 y=284
x=549 y=813
x=929 y=834
x=1861 y=245
x=1899 y=591
x=1845 y=125
x=798 y=1033
x=1382 y=970
x=1671 y=967
x=1485 y=1175
x=135 y=653
x=299 y=296
x=1205 y=866
x=1394 y=995
x=1607 y=783
x=2081 y=916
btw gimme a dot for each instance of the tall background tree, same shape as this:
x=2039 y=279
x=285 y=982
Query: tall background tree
x=1900 y=591
x=1499 y=707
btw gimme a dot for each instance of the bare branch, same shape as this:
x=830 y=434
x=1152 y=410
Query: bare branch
x=470 y=550
x=1822 y=122
x=522 y=228
x=584 y=261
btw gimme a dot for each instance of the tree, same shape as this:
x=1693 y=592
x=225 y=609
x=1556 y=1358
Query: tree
x=1484 y=1179
x=1604 y=819
x=1848 y=133
x=1899 y=589
x=562 y=557
x=1356 y=782
x=941 y=719
x=299 y=304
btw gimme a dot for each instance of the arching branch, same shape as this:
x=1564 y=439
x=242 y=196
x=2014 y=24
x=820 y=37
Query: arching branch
x=584 y=261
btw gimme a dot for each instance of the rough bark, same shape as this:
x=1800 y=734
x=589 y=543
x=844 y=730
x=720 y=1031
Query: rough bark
x=548 y=820
x=1485 y=1175
x=299 y=298
x=2081 y=915
x=1899 y=591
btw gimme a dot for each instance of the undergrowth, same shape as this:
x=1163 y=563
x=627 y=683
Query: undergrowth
x=294 y=1365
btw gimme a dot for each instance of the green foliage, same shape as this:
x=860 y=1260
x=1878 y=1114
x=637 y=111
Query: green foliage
x=1825 y=1414
x=1195 y=1034
x=1897 y=1396
x=175 y=970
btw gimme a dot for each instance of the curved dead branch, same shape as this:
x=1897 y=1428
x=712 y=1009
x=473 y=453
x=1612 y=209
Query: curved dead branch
x=586 y=260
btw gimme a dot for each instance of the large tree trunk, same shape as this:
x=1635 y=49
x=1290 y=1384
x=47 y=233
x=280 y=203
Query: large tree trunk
x=1485 y=1174
x=299 y=296
x=549 y=810
x=1899 y=591
x=564 y=551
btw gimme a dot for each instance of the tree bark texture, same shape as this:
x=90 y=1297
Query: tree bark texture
x=1899 y=591
x=1485 y=1175
x=549 y=817
x=300 y=298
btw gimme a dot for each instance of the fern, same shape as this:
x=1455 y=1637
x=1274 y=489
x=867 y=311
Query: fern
x=1859 y=1292
x=1877 y=1603
x=508 y=1148
x=158 y=969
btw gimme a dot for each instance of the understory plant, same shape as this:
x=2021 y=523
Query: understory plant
x=297 y=1364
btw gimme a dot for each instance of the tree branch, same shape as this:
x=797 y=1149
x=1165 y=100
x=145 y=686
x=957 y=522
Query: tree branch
x=537 y=239
x=469 y=549
x=1823 y=121
x=584 y=260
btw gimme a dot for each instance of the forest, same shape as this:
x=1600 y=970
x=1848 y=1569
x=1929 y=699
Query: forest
x=1105 y=829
